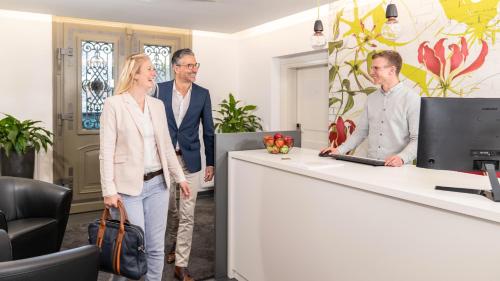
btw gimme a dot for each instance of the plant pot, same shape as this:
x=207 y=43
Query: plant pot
x=18 y=165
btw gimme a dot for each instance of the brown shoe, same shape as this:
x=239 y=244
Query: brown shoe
x=171 y=255
x=182 y=274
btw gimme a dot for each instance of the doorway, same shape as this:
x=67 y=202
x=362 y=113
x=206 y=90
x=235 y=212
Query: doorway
x=89 y=57
x=304 y=97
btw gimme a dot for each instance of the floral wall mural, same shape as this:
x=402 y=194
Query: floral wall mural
x=449 y=49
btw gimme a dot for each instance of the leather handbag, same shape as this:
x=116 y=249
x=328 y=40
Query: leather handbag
x=121 y=245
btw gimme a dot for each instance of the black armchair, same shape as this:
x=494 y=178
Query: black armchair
x=79 y=264
x=34 y=214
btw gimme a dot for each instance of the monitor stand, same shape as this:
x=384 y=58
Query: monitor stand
x=493 y=194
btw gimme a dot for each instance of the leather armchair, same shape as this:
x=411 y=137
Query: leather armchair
x=79 y=264
x=34 y=214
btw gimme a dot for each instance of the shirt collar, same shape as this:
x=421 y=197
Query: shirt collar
x=391 y=90
x=178 y=93
x=129 y=99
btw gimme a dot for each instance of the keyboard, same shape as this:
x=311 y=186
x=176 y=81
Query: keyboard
x=361 y=160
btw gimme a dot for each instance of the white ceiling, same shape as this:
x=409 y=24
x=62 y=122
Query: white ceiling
x=227 y=16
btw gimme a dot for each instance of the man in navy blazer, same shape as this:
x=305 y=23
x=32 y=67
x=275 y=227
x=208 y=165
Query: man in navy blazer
x=186 y=105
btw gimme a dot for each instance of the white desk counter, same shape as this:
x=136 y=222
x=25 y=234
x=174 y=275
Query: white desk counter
x=302 y=217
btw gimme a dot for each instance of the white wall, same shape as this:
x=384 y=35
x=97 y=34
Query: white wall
x=218 y=57
x=260 y=50
x=26 y=74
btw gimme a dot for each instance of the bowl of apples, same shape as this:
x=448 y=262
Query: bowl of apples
x=278 y=143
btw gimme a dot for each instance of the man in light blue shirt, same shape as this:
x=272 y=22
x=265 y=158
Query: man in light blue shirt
x=391 y=115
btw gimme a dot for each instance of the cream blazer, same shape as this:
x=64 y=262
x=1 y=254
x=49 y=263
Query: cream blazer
x=121 y=154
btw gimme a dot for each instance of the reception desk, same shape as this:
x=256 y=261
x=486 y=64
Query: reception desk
x=302 y=217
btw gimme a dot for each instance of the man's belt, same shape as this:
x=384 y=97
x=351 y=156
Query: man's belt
x=151 y=175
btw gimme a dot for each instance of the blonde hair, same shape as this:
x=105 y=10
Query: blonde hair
x=130 y=68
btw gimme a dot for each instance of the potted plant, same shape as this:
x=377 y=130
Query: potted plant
x=234 y=118
x=19 y=140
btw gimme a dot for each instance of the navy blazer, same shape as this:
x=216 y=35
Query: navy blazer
x=200 y=108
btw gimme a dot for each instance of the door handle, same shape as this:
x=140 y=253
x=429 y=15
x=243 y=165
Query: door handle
x=64 y=116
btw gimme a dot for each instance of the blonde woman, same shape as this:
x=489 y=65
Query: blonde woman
x=137 y=157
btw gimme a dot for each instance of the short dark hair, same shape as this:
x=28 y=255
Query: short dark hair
x=177 y=56
x=393 y=57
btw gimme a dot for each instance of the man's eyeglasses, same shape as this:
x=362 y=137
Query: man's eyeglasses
x=191 y=65
x=377 y=68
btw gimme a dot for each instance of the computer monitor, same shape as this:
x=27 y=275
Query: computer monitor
x=461 y=134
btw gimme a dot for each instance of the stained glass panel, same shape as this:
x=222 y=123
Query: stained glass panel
x=97 y=80
x=160 y=58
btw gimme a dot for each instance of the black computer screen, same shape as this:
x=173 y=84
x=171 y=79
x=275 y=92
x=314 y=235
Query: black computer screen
x=460 y=134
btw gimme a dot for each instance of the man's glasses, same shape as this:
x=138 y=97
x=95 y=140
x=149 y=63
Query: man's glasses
x=377 y=68
x=191 y=65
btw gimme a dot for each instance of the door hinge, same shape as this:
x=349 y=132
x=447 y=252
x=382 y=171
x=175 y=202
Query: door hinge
x=65 y=51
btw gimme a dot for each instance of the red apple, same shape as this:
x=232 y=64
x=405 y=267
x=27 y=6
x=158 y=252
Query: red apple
x=279 y=142
x=268 y=140
x=278 y=136
x=288 y=141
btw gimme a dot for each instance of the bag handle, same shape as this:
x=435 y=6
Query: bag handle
x=106 y=215
x=119 y=237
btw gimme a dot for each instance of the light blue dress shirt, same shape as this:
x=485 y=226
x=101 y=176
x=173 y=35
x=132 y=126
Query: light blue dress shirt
x=390 y=121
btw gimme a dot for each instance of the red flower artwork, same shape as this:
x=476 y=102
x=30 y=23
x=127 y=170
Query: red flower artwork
x=447 y=66
x=340 y=130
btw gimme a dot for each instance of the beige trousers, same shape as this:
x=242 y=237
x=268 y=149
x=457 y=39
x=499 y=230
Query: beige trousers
x=180 y=222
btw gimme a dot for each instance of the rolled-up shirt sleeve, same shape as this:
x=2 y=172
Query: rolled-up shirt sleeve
x=358 y=136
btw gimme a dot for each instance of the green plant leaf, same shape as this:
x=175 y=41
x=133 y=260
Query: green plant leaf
x=332 y=73
x=349 y=104
x=12 y=134
x=369 y=61
x=334 y=100
x=334 y=45
x=234 y=118
x=346 y=84
x=18 y=136
x=232 y=101
x=368 y=90
x=249 y=108
x=336 y=24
